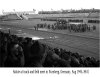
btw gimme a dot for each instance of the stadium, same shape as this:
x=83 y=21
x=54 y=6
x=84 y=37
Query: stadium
x=50 y=38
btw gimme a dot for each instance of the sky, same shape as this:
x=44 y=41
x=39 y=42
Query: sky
x=29 y=5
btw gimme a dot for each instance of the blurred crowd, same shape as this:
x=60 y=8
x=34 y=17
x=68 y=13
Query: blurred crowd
x=24 y=52
x=62 y=11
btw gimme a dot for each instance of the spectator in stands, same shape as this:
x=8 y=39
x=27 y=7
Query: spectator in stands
x=15 y=56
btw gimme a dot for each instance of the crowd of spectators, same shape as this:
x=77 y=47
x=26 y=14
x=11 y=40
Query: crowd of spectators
x=24 y=52
x=70 y=11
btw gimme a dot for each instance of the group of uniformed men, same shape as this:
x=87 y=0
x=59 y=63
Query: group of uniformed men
x=62 y=25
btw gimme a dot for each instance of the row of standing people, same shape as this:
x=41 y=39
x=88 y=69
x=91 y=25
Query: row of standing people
x=71 y=27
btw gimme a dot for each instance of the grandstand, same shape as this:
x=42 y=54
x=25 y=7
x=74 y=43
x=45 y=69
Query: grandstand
x=68 y=15
x=10 y=17
x=65 y=14
x=70 y=11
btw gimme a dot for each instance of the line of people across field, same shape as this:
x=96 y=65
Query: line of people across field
x=71 y=27
x=24 y=52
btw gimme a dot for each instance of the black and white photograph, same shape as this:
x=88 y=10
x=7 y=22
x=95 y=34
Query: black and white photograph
x=49 y=34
